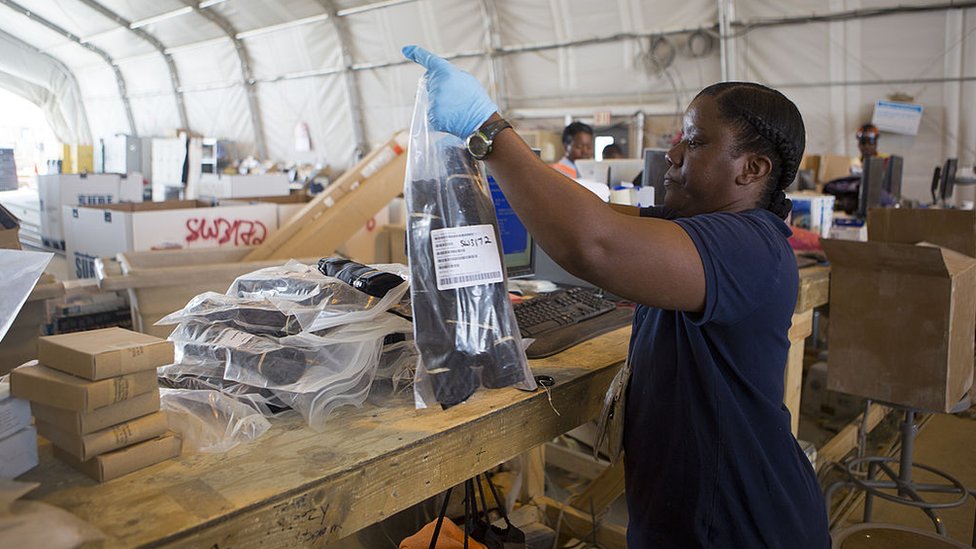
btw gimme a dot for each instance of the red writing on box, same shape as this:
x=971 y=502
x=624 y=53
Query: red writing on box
x=239 y=232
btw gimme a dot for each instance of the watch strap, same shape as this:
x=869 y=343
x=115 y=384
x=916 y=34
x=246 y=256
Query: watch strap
x=491 y=129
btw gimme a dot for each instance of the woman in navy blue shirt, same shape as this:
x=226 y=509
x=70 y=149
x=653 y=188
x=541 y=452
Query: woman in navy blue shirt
x=708 y=453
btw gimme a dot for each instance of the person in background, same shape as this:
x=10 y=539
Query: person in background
x=612 y=151
x=867 y=143
x=709 y=457
x=578 y=142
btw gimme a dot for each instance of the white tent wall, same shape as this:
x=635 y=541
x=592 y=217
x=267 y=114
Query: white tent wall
x=48 y=84
x=541 y=59
x=835 y=71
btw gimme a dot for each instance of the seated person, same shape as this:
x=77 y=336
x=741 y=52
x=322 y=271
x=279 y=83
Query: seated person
x=846 y=189
x=578 y=142
x=867 y=143
x=612 y=151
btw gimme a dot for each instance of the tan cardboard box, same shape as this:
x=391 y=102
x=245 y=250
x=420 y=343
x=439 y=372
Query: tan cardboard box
x=122 y=462
x=44 y=385
x=85 y=447
x=953 y=229
x=100 y=354
x=902 y=319
x=9 y=229
x=83 y=423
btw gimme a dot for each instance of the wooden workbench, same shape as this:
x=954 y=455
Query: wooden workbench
x=294 y=487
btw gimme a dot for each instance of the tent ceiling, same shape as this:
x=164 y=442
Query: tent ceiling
x=251 y=71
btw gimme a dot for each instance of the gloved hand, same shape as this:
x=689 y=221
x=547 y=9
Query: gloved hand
x=458 y=103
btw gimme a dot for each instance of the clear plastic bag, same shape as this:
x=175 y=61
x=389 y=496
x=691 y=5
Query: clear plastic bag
x=288 y=300
x=464 y=325
x=209 y=421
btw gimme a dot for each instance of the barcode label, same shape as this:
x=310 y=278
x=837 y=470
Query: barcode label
x=466 y=256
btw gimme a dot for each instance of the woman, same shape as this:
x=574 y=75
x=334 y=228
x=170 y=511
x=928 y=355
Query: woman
x=709 y=457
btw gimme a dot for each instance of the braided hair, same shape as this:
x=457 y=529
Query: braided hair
x=765 y=122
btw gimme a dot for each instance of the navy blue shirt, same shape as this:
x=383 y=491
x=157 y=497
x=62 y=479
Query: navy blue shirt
x=709 y=457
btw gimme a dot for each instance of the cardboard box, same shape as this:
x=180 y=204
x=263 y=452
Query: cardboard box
x=9 y=230
x=104 y=231
x=105 y=353
x=14 y=412
x=83 y=423
x=18 y=453
x=85 y=447
x=833 y=166
x=287 y=205
x=238 y=186
x=953 y=229
x=59 y=190
x=45 y=385
x=20 y=344
x=122 y=462
x=902 y=319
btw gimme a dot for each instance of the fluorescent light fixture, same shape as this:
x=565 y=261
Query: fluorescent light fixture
x=160 y=17
x=208 y=3
x=371 y=7
x=280 y=26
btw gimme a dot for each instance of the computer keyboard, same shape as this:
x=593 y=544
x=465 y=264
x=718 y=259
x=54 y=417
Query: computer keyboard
x=550 y=311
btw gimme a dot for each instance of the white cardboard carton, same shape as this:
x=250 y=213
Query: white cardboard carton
x=14 y=412
x=104 y=231
x=59 y=190
x=239 y=186
x=18 y=453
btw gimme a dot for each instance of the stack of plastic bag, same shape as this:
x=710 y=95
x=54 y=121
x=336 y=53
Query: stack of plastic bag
x=290 y=337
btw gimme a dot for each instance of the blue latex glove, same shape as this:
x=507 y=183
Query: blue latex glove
x=458 y=103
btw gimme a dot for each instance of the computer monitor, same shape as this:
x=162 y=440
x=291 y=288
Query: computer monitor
x=655 y=168
x=892 y=177
x=517 y=249
x=610 y=172
x=948 y=178
x=872 y=179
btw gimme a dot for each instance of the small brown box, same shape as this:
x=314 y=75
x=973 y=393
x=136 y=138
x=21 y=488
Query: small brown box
x=100 y=354
x=122 y=462
x=44 y=385
x=902 y=319
x=85 y=447
x=83 y=423
x=9 y=229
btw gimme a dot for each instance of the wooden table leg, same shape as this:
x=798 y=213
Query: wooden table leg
x=793 y=375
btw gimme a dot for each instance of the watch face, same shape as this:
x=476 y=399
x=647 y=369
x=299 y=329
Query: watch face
x=477 y=145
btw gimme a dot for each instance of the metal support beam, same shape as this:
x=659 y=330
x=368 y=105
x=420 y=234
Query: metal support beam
x=349 y=77
x=496 y=73
x=174 y=77
x=725 y=43
x=119 y=79
x=250 y=84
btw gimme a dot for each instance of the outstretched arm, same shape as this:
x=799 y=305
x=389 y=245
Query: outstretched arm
x=649 y=261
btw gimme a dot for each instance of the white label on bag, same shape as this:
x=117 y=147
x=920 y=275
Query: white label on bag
x=465 y=256
x=232 y=339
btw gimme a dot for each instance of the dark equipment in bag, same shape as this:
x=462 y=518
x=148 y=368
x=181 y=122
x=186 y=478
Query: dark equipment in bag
x=478 y=524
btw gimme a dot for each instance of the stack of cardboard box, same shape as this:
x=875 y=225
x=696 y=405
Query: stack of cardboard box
x=94 y=396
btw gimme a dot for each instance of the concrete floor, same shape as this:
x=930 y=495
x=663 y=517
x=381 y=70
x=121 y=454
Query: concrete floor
x=948 y=443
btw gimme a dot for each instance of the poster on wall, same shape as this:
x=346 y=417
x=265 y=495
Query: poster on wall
x=895 y=117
